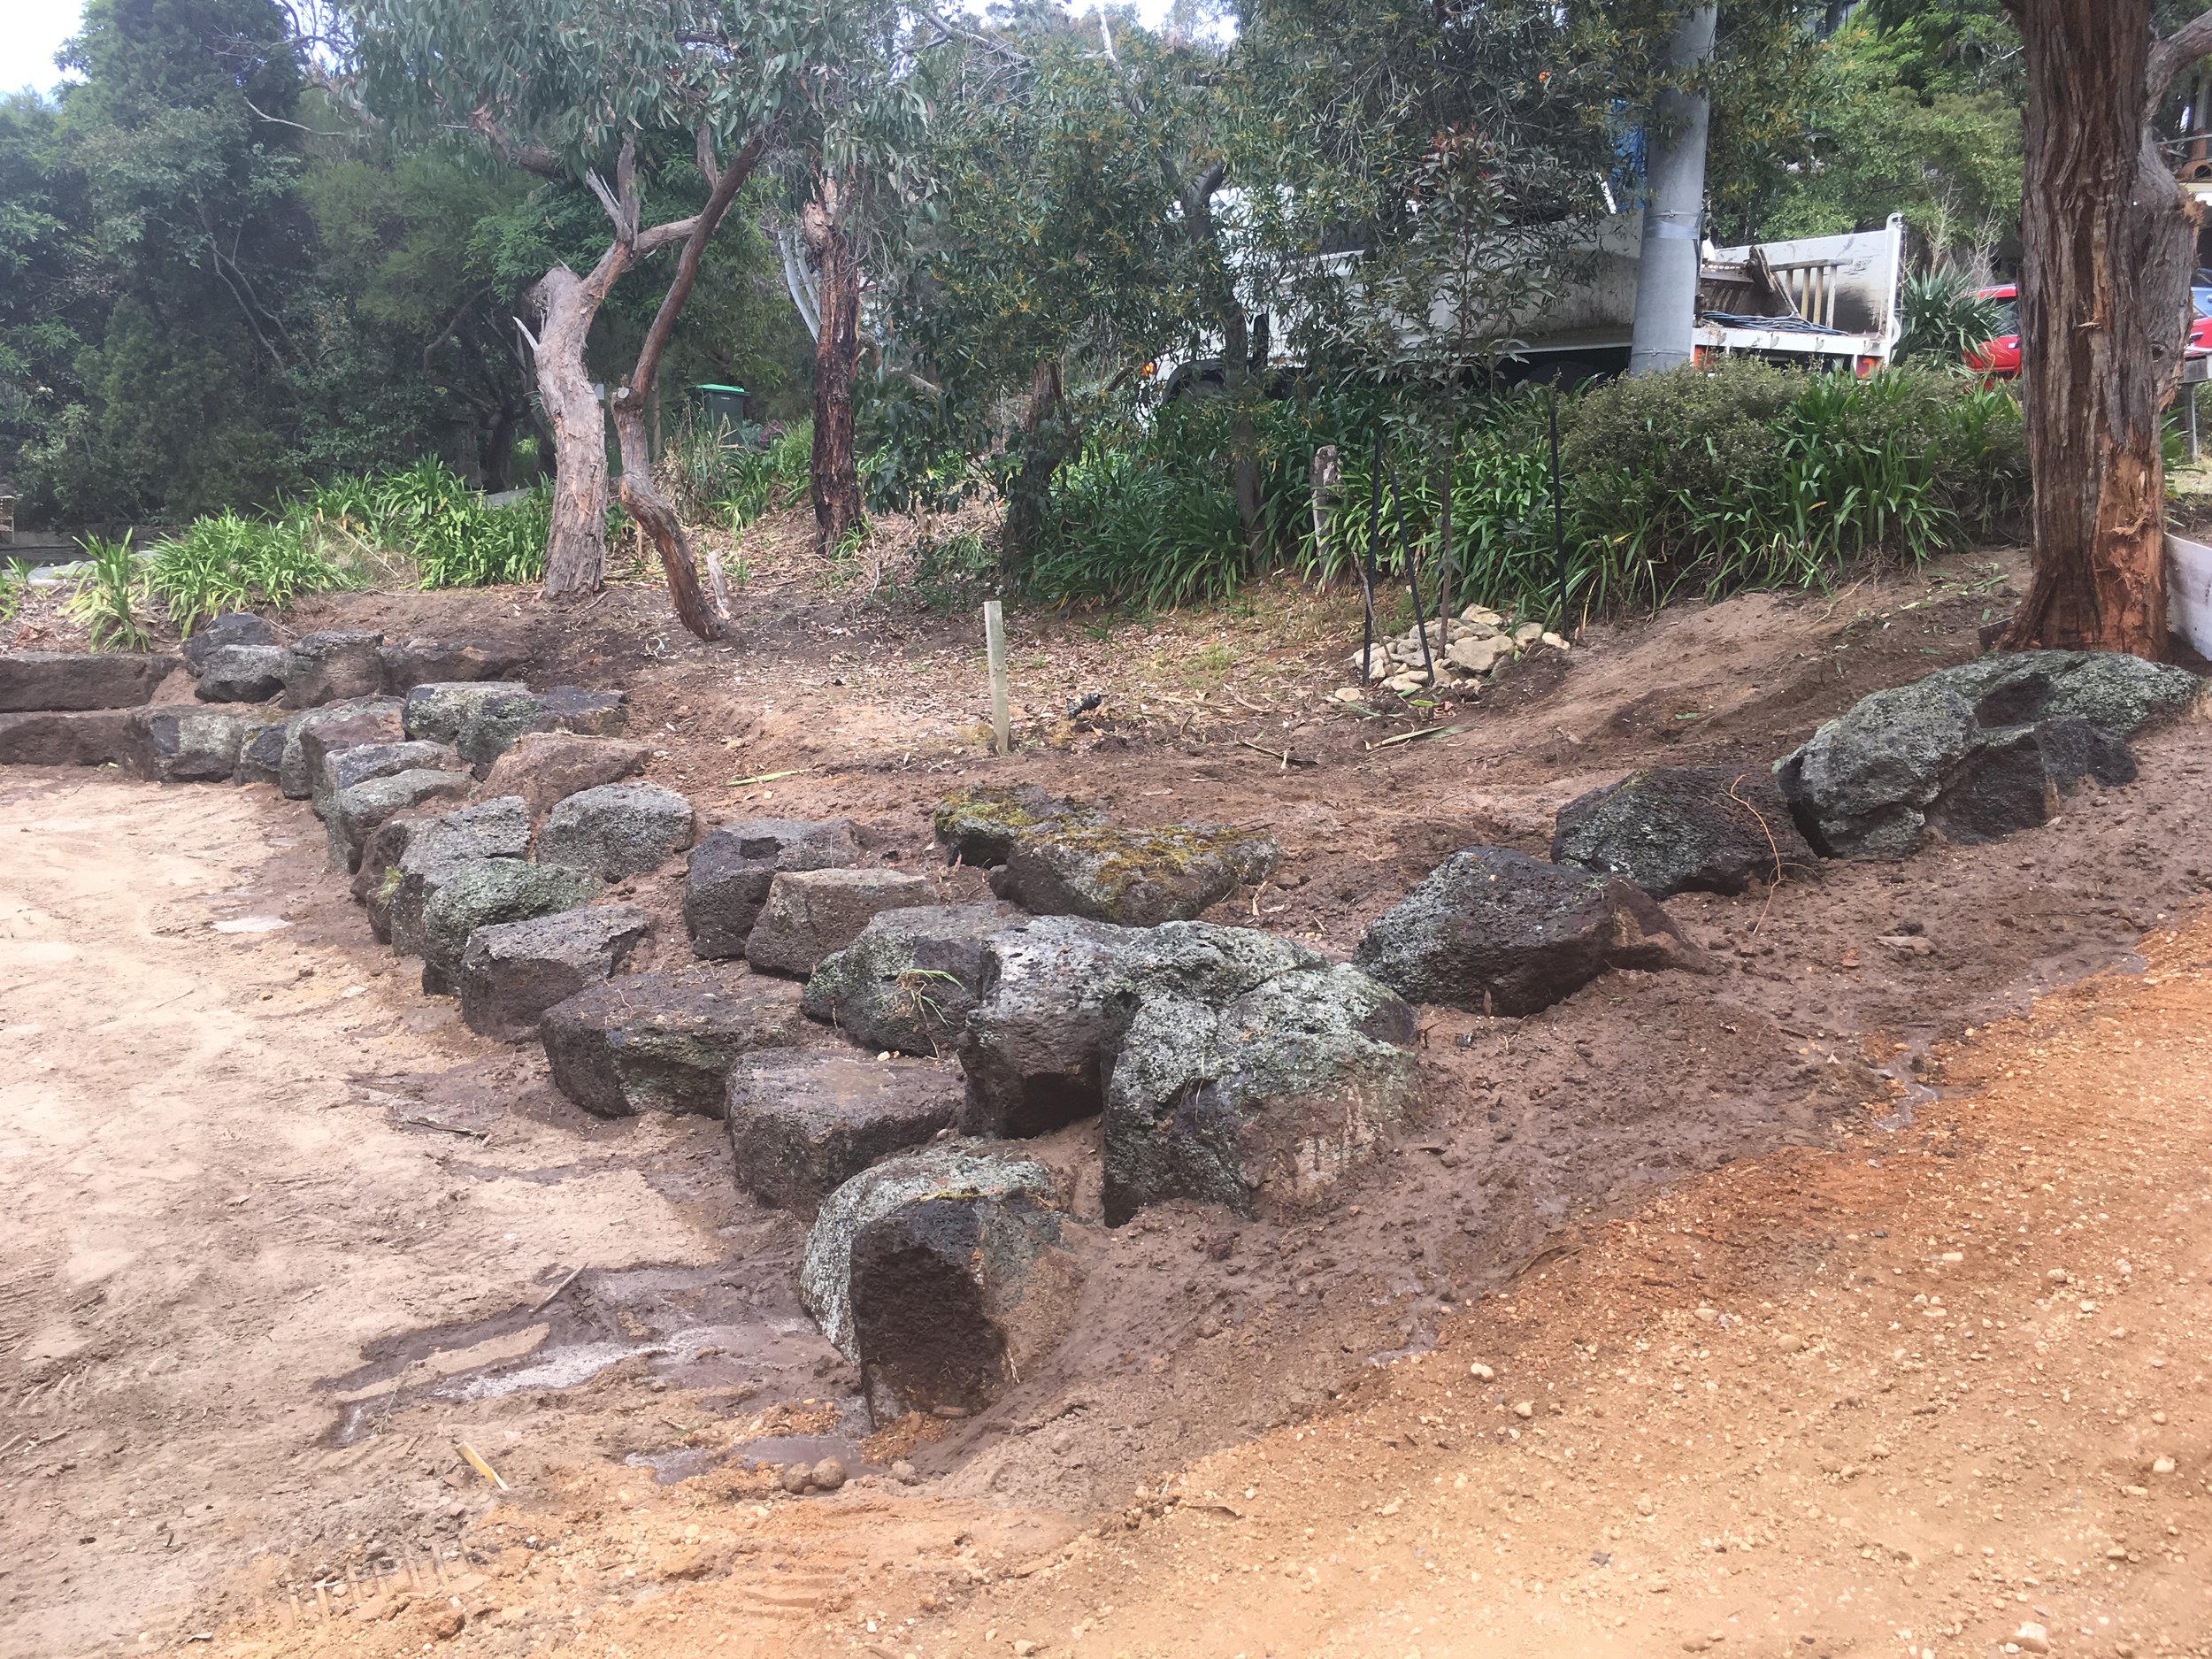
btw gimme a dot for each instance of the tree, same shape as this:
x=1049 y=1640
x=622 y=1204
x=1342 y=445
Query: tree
x=566 y=89
x=2106 y=241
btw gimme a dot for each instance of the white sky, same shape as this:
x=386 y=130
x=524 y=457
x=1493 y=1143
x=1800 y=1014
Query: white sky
x=32 y=30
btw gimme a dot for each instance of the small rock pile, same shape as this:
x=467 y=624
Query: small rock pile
x=1464 y=650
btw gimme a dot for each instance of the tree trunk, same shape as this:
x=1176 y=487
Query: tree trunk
x=499 y=449
x=642 y=498
x=834 y=477
x=1048 y=442
x=2107 y=240
x=1674 y=210
x=576 y=550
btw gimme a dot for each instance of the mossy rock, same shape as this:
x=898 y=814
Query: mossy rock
x=1133 y=878
x=981 y=826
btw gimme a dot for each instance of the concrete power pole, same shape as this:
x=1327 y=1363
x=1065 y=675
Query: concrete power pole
x=1674 y=208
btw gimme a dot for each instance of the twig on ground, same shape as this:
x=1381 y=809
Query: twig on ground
x=1407 y=737
x=445 y=1128
x=547 y=1300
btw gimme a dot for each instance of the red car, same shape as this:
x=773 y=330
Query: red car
x=1998 y=358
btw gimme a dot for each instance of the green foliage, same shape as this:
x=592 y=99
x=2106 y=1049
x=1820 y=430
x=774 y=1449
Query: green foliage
x=1944 y=319
x=110 y=596
x=225 y=562
x=754 y=481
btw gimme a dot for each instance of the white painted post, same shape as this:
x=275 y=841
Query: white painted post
x=995 y=650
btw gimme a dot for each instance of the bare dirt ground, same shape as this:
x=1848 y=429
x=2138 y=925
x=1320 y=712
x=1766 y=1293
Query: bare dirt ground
x=283 y=1235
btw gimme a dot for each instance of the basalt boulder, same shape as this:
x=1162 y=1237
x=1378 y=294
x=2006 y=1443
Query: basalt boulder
x=804 y=1123
x=979 y=825
x=726 y=881
x=407 y=855
x=37 y=680
x=336 y=770
x=617 y=830
x=261 y=752
x=354 y=813
x=1261 y=1104
x=547 y=767
x=184 y=743
x=909 y=981
x=420 y=662
x=232 y=628
x=484 y=893
x=812 y=914
x=334 y=665
x=310 y=736
x=1668 y=829
x=480 y=718
x=511 y=973
x=663 y=1041
x=1497 y=931
x=588 y=713
x=1135 y=878
x=242 y=674
x=945 y=1273
x=77 y=737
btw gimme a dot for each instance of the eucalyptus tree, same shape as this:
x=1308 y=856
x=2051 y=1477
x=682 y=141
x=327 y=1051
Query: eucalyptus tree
x=598 y=91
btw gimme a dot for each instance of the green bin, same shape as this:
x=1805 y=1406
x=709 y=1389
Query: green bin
x=724 y=408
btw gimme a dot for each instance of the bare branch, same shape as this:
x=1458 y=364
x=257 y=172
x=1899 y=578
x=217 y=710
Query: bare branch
x=2192 y=40
x=278 y=121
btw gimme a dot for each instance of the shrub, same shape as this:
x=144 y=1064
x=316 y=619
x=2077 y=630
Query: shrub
x=754 y=481
x=1943 y=319
x=108 y=596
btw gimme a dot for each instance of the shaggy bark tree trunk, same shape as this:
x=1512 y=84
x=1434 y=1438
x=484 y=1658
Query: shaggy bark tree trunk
x=576 y=549
x=834 y=475
x=1046 y=446
x=2107 y=245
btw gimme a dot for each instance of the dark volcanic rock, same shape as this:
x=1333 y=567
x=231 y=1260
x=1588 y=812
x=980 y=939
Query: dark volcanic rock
x=261 y=752
x=480 y=718
x=405 y=858
x=812 y=914
x=310 y=736
x=910 y=980
x=339 y=769
x=979 y=825
x=662 y=1042
x=588 y=713
x=944 y=1274
x=242 y=674
x=545 y=767
x=335 y=665
x=1976 y=751
x=726 y=881
x=1057 y=993
x=185 y=743
x=354 y=813
x=617 y=830
x=483 y=893
x=804 y=1124
x=512 y=973
x=85 y=737
x=413 y=662
x=1263 y=1103
x=36 y=681
x=1671 y=828
x=232 y=627
x=1497 y=932
x=1135 y=878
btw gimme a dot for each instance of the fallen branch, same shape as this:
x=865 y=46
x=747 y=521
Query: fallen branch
x=547 y=1300
x=450 y=1129
x=1287 y=759
x=767 y=776
x=476 y=1461
x=1407 y=737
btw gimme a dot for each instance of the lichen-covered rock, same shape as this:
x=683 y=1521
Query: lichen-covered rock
x=184 y=743
x=617 y=830
x=483 y=893
x=663 y=1041
x=331 y=772
x=812 y=914
x=513 y=971
x=1497 y=931
x=242 y=674
x=412 y=663
x=309 y=736
x=979 y=825
x=232 y=627
x=334 y=665
x=2108 y=689
x=65 y=737
x=1262 y=1104
x=911 y=978
x=405 y=857
x=546 y=767
x=1135 y=878
x=944 y=1273
x=353 y=814
x=480 y=718
x=803 y=1124
x=726 y=881
x=1975 y=751
x=1056 y=994
x=261 y=752
x=33 y=681
x=1670 y=829
x=587 y=713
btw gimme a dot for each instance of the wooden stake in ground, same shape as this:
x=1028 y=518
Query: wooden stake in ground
x=994 y=652
x=2106 y=241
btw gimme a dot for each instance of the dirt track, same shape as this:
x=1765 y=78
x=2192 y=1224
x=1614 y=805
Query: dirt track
x=256 y=1278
